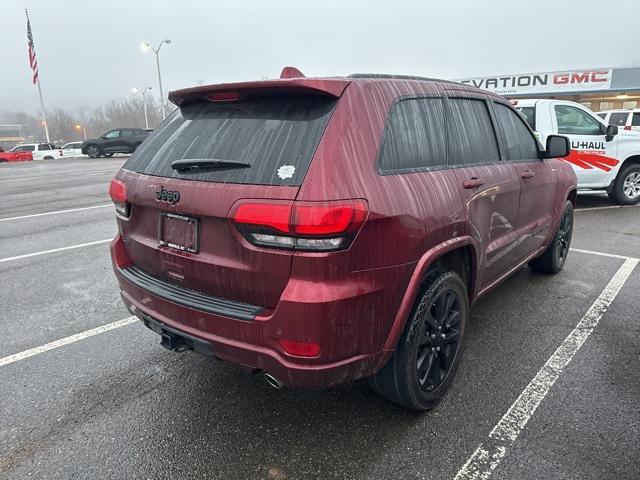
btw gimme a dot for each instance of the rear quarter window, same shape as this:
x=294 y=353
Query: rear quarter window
x=415 y=136
x=268 y=132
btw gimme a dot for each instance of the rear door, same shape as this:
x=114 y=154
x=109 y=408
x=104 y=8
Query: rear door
x=537 y=178
x=490 y=188
x=128 y=138
x=276 y=135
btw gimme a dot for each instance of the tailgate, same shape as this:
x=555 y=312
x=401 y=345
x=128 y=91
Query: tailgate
x=273 y=137
x=225 y=265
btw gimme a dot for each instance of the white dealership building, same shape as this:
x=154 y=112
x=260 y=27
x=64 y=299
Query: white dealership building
x=596 y=88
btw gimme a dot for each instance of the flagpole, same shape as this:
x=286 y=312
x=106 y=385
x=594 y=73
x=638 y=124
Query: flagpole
x=44 y=115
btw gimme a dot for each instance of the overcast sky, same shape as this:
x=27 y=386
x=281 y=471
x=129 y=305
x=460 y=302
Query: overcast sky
x=89 y=51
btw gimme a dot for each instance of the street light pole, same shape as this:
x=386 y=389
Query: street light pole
x=84 y=131
x=144 y=103
x=157 y=52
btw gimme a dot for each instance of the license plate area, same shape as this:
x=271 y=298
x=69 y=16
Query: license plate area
x=179 y=232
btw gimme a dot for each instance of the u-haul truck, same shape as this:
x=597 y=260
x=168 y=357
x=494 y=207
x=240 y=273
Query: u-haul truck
x=602 y=157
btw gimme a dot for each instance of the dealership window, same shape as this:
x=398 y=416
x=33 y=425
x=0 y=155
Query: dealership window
x=629 y=105
x=606 y=105
x=575 y=121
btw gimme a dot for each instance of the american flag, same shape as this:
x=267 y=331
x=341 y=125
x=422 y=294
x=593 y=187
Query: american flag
x=33 y=62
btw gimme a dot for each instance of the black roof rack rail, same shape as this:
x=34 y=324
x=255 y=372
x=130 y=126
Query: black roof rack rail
x=399 y=77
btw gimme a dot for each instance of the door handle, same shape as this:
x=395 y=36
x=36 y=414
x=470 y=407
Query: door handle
x=527 y=174
x=473 y=182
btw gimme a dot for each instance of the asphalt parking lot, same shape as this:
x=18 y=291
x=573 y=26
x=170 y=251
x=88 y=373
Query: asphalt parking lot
x=549 y=386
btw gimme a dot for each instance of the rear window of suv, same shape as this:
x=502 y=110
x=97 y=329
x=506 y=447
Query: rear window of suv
x=619 y=119
x=276 y=135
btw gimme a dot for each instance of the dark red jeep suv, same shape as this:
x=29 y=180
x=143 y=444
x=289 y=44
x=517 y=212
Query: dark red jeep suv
x=320 y=230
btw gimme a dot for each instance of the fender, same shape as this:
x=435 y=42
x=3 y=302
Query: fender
x=416 y=279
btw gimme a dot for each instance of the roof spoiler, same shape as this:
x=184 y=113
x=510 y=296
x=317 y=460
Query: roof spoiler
x=291 y=81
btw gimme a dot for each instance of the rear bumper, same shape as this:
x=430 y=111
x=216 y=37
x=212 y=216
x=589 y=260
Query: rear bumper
x=351 y=323
x=292 y=373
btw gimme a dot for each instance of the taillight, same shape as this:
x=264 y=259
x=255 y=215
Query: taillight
x=118 y=193
x=627 y=127
x=312 y=226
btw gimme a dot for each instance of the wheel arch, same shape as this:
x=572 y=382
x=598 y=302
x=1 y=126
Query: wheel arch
x=633 y=159
x=460 y=255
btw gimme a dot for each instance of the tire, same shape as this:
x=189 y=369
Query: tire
x=108 y=155
x=553 y=258
x=626 y=188
x=48 y=158
x=434 y=334
x=93 y=151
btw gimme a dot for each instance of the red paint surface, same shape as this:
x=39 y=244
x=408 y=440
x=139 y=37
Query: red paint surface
x=352 y=303
x=16 y=156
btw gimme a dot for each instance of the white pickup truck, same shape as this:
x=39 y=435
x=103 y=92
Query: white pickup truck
x=40 y=151
x=602 y=157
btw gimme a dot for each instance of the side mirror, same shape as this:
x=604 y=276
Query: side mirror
x=104 y=137
x=558 y=146
x=612 y=131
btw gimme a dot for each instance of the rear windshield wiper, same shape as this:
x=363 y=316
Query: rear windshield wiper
x=203 y=163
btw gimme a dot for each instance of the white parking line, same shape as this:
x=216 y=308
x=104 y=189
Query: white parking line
x=6 y=219
x=66 y=341
x=488 y=454
x=60 y=174
x=604 y=208
x=603 y=254
x=54 y=250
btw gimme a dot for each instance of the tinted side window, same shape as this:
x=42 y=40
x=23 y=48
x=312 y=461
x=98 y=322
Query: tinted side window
x=635 y=120
x=619 y=119
x=415 y=135
x=602 y=115
x=44 y=146
x=127 y=133
x=519 y=142
x=472 y=139
x=574 y=121
x=113 y=134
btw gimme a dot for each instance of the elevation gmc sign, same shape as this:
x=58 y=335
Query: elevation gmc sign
x=550 y=82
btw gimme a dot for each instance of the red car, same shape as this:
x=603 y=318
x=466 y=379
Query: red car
x=15 y=156
x=323 y=230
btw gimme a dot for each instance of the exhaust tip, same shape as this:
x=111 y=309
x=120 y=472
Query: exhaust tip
x=273 y=381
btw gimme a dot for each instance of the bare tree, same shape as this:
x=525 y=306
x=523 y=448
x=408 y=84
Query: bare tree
x=117 y=113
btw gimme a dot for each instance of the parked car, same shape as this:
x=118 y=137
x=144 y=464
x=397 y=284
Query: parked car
x=623 y=119
x=39 y=151
x=121 y=140
x=17 y=156
x=324 y=230
x=603 y=157
x=72 y=149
